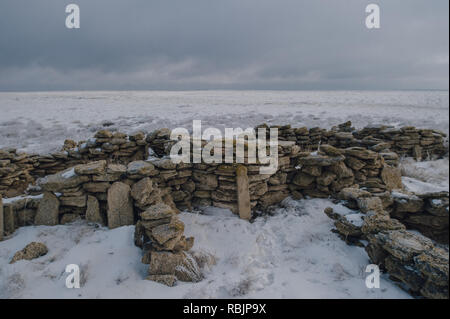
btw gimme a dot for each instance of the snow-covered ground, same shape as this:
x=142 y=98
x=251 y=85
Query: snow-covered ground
x=290 y=255
x=39 y=122
x=425 y=177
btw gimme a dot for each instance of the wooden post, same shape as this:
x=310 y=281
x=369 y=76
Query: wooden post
x=243 y=193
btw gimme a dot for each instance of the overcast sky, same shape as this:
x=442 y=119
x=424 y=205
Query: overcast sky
x=223 y=44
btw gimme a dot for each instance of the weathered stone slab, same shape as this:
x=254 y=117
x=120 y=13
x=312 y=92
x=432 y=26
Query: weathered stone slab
x=243 y=193
x=93 y=168
x=120 y=205
x=48 y=210
x=93 y=210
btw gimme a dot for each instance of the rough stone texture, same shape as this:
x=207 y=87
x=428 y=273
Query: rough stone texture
x=94 y=168
x=48 y=210
x=65 y=179
x=367 y=204
x=181 y=265
x=93 y=211
x=243 y=193
x=158 y=211
x=168 y=280
x=9 y=222
x=392 y=177
x=2 y=227
x=31 y=251
x=120 y=206
x=142 y=193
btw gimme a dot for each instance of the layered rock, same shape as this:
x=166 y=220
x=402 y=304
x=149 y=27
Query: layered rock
x=160 y=233
x=408 y=257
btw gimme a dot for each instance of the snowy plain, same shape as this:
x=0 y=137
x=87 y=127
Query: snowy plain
x=292 y=254
x=40 y=122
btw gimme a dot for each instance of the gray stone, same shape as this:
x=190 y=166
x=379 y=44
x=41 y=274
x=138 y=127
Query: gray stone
x=62 y=180
x=243 y=193
x=48 y=210
x=93 y=211
x=93 y=168
x=120 y=206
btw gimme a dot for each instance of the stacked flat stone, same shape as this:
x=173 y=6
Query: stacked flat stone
x=408 y=140
x=15 y=171
x=427 y=213
x=408 y=257
x=159 y=232
x=412 y=259
x=159 y=141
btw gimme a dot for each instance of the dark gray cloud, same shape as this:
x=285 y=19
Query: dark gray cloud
x=223 y=44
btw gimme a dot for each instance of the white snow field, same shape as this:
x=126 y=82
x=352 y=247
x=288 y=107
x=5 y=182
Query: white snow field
x=292 y=254
x=40 y=122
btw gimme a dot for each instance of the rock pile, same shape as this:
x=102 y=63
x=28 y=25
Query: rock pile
x=31 y=251
x=427 y=213
x=329 y=170
x=159 y=233
x=408 y=257
x=408 y=140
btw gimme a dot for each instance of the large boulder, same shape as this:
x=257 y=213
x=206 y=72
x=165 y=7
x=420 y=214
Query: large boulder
x=120 y=205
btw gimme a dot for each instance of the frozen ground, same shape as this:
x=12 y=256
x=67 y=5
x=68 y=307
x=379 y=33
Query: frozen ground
x=39 y=122
x=290 y=255
x=427 y=176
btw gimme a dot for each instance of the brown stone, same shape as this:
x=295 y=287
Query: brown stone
x=392 y=177
x=180 y=264
x=31 y=251
x=93 y=210
x=75 y=201
x=48 y=210
x=120 y=205
x=93 y=168
x=142 y=191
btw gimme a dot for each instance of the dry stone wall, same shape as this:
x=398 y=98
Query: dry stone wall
x=111 y=180
x=18 y=170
